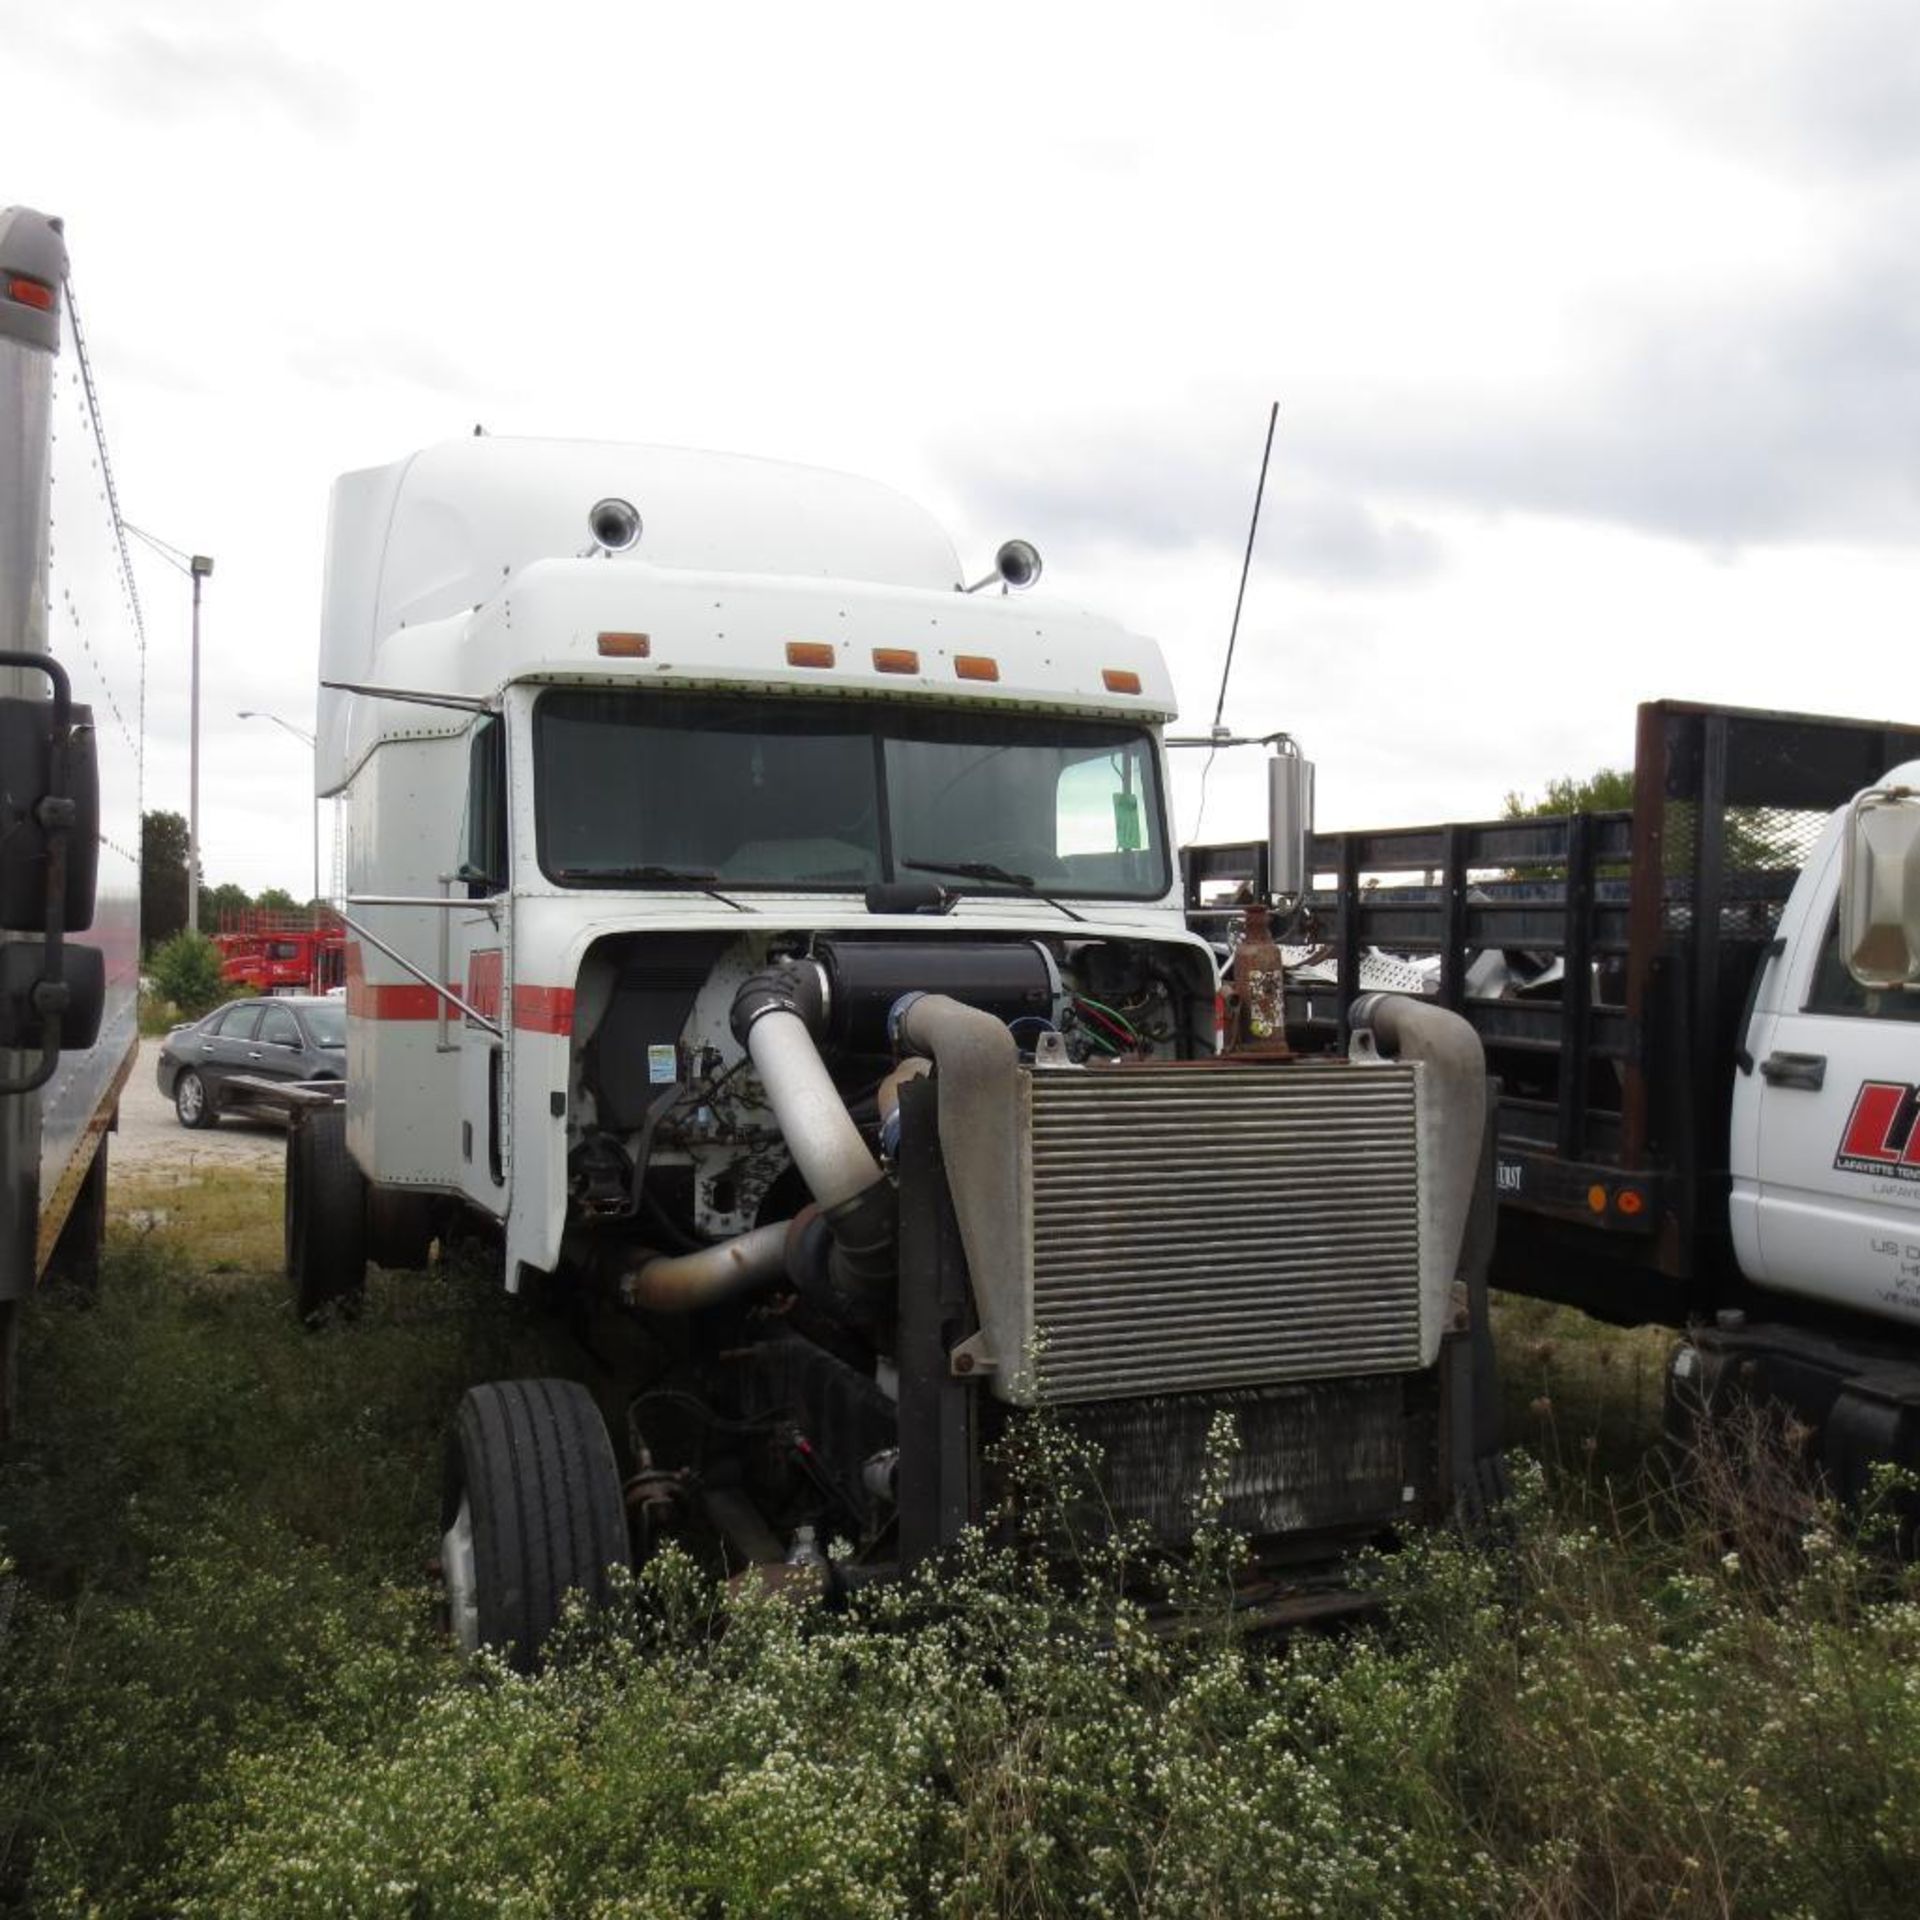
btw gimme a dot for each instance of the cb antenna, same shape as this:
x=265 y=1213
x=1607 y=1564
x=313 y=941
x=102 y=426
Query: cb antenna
x=1246 y=566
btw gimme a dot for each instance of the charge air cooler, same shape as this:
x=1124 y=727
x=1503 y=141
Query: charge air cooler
x=1205 y=1227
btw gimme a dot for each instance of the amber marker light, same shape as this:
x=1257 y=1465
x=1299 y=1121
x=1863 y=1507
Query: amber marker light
x=895 y=660
x=809 y=653
x=1597 y=1199
x=1120 y=679
x=625 y=646
x=976 y=666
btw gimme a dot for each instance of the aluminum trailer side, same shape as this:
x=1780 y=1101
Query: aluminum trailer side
x=72 y=692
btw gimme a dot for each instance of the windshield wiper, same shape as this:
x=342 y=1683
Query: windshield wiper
x=1000 y=876
x=699 y=879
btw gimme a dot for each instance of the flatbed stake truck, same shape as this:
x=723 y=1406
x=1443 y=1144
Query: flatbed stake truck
x=1708 y=1097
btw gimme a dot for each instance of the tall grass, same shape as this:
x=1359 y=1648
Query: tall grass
x=225 y=1695
x=211 y=1515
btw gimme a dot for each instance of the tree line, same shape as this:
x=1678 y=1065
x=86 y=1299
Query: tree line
x=163 y=886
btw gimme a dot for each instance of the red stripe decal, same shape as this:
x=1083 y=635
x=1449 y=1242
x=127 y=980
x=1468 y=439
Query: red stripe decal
x=404 y=1000
x=535 y=1009
x=543 y=1009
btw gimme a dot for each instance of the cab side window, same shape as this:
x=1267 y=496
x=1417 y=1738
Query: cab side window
x=483 y=852
x=1835 y=990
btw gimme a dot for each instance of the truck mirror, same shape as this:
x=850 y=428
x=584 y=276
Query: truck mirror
x=28 y=998
x=1289 y=822
x=1880 y=888
x=30 y=812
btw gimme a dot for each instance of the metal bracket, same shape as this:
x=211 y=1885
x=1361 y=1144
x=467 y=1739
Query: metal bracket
x=972 y=1359
x=422 y=975
x=56 y=822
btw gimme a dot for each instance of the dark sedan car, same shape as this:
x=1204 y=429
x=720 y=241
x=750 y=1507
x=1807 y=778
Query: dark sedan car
x=279 y=1039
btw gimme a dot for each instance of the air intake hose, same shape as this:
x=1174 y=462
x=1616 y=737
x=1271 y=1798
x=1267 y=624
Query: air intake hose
x=977 y=1074
x=1409 y=1029
x=775 y=1017
x=736 y=1269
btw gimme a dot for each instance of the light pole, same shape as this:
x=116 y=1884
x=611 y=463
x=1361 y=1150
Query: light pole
x=201 y=568
x=299 y=733
x=198 y=567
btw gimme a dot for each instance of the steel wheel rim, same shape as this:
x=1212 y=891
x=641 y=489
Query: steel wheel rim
x=457 y=1575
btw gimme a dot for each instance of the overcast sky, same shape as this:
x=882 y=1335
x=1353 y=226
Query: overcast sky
x=1595 y=329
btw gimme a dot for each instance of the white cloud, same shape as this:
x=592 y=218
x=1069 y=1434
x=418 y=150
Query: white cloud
x=1564 y=307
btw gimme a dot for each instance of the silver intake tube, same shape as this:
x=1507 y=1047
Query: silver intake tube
x=977 y=1075
x=1409 y=1029
x=826 y=1146
x=682 y=1282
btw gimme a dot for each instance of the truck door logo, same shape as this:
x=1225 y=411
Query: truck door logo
x=1881 y=1136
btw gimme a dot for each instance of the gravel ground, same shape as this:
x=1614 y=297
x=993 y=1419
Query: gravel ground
x=151 y=1139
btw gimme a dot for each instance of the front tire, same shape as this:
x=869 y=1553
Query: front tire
x=326 y=1217
x=532 y=1510
x=192 y=1102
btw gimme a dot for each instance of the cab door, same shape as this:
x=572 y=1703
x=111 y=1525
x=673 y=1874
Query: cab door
x=1834 y=1103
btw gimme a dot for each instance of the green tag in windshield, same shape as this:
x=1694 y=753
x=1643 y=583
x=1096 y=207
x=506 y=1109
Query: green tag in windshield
x=1126 y=822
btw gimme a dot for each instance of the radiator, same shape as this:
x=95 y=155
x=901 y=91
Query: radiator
x=1209 y=1226
x=1319 y=1454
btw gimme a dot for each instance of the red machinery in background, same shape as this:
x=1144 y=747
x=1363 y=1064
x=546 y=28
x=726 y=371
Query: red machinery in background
x=299 y=952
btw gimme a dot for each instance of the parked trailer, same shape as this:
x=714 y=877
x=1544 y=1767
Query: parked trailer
x=72 y=665
x=782 y=952
x=1705 y=1119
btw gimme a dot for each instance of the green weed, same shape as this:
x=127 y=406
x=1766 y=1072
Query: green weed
x=224 y=1694
x=1578 y=1724
x=213 y=1514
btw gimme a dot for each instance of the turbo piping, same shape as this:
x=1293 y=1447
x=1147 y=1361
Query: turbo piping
x=734 y=1270
x=1450 y=1049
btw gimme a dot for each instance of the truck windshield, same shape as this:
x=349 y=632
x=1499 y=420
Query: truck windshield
x=815 y=793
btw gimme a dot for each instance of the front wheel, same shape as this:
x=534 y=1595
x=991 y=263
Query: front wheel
x=192 y=1102
x=532 y=1510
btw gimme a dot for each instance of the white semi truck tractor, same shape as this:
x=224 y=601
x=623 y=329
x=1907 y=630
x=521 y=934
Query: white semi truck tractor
x=779 y=948
x=72 y=660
